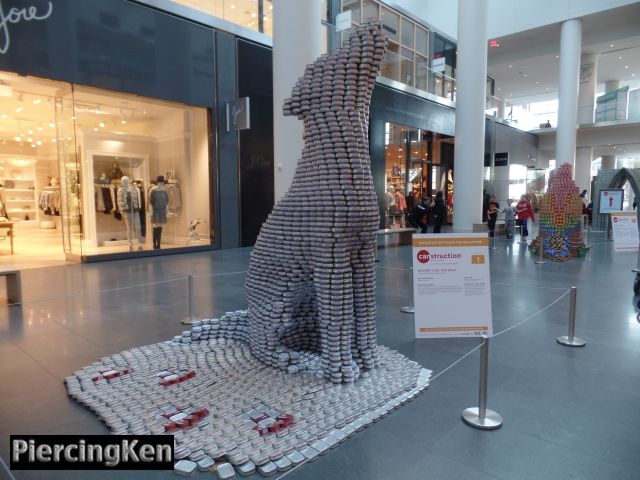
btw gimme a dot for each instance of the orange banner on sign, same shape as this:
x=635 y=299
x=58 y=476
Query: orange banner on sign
x=451 y=242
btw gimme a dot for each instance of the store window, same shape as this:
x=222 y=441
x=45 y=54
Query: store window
x=444 y=76
x=79 y=170
x=254 y=14
x=406 y=173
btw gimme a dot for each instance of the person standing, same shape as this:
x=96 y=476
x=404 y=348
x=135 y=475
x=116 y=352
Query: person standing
x=418 y=216
x=524 y=212
x=509 y=219
x=438 y=212
x=492 y=216
x=485 y=204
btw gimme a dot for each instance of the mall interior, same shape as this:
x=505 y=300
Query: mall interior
x=143 y=147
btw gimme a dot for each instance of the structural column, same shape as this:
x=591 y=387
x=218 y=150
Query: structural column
x=608 y=162
x=587 y=92
x=582 y=172
x=296 y=43
x=570 y=45
x=471 y=83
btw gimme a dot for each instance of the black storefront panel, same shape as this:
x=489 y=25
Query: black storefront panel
x=255 y=80
x=112 y=44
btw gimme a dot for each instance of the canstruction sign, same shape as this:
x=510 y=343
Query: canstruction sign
x=625 y=231
x=452 y=291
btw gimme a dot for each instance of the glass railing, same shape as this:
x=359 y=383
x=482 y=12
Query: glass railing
x=519 y=116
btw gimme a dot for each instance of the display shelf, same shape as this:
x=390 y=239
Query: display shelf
x=30 y=190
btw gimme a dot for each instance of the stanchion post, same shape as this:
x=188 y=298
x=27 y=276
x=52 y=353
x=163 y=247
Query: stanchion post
x=588 y=244
x=493 y=240
x=480 y=416
x=571 y=340
x=410 y=308
x=541 y=259
x=191 y=319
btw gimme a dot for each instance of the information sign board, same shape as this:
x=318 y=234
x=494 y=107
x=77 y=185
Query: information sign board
x=611 y=200
x=625 y=231
x=452 y=289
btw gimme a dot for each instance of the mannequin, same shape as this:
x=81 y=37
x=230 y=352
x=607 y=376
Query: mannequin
x=128 y=205
x=159 y=206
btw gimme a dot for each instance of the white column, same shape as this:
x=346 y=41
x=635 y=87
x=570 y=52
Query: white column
x=608 y=161
x=570 y=44
x=471 y=82
x=587 y=92
x=611 y=86
x=501 y=185
x=296 y=43
x=582 y=173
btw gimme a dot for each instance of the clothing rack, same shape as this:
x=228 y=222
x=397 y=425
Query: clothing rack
x=49 y=201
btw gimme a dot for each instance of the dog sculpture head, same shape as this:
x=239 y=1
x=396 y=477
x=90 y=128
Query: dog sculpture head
x=343 y=79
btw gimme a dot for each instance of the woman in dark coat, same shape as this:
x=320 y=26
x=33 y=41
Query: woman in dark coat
x=438 y=212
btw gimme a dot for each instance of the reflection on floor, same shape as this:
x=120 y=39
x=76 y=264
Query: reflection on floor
x=32 y=247
x=569 y=413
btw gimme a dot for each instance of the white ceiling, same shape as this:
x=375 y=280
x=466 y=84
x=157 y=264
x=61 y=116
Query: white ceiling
x=525 y=65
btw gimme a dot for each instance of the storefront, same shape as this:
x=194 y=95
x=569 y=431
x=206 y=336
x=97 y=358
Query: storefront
x=98 y=102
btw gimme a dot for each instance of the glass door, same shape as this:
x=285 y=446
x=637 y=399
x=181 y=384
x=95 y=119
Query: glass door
x=70 y=182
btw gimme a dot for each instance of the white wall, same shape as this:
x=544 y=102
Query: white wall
x=507 y=16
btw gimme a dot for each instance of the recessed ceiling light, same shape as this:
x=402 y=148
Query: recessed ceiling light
x=39 y=129
x=18 y=139
x=37 y=101
x=620 y=57
x=537 y=83
x=510 y=66
x=101 y=124
x=557 y=56
x=611 y=45
x=123 y=122
x=4 y=115
x=19 y=109
x=39 y=142
x=233 y=6
x=29 y=140
x=95 y=129
x=30 y=132
x=626 y=66
x=54 y=140
x=52 y=125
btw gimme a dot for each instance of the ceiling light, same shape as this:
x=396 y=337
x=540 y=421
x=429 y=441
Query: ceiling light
x=52 y=125
x=33 y=145
x=19 y=109
x=510 y=66
x=557 y=56
x=233 y=6
x=620 y=57
x=611 y=45
x=626 y=66
x=253 y=14
x=4 y=115
x=29 y=140
x=270 y=7
x=123 y=122
x=95 y=129
x=37 y=101
x=39 y=129
x=18 y=139
x=30 y=132
x=101 y=124
x=54 y=140
x=39 y=142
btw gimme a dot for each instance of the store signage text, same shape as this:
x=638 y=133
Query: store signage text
x=15 y=16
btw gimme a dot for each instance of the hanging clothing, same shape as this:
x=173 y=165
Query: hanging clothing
x=401 y=203
x=142 y=211
x=49 y=202
x=175 y=200
x=128 y=199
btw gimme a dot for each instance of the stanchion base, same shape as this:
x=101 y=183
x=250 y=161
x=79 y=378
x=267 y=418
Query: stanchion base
x=522 y=242
x=571 y=342
x=494 y=248
x=540 y=262
x=587 y=247
x=491 y=421
x=408 y=310
x=188 y=320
